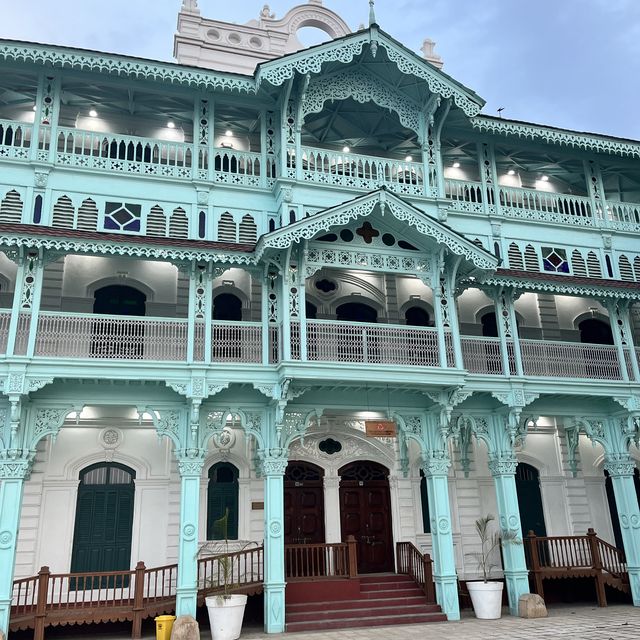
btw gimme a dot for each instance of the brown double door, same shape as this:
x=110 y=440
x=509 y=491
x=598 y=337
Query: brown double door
x=365 y=514
x=303 y=504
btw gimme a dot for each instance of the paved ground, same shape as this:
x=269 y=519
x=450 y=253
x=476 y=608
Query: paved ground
x=618 y=622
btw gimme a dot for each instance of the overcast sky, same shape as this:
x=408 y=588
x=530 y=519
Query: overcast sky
x=567 y=63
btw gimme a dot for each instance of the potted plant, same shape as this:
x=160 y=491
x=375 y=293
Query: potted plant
x=486 y=595
x=225 y=608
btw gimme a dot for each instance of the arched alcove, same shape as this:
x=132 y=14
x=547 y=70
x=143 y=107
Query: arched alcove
x=119 y=300
x=417 y=317
x=227 y=306
x=595 y=331
x=356 y=312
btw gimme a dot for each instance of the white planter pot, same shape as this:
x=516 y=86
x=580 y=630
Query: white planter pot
x=486 y=598
x=225 y=616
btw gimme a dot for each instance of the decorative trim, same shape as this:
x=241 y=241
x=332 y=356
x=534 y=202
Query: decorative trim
x=574 y=139
x=138 y=68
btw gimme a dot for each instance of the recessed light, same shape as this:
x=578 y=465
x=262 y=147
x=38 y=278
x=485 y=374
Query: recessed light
x=511 y=172
x=545 y=178
x=346 y=149
x=171 y=124
x=408 y=159
x=456 y=165
x=228 y=133
x=93 y=113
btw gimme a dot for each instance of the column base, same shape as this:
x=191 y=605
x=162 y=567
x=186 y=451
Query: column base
x=634 y=583
x=517 y=585
x=186 y=602
x=5 y=612
x=447 y=595
x=274 y=608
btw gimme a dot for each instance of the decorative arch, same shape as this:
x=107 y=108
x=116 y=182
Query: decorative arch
x=94 y=286
x=73 y=467
x=420 y=304
x=363 y=88
x=362 y=302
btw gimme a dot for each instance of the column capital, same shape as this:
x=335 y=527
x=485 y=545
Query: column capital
x=503 y=465
x=437 y=464
x=190 y=462
x=619 y=464
x=274 y=462
x=16 y=464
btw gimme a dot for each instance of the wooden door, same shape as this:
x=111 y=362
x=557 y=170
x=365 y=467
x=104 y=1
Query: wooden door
x=303 y=504
x=530 y=500
x=365 y=514
x=104 y=519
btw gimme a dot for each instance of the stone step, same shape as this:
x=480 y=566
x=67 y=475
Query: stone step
x=356 y=604
x=362 y=611
x=366 y=621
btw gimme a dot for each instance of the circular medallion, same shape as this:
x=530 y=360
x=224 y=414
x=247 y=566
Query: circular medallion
x=5 y=539
x=189 y=531
x=275 y=528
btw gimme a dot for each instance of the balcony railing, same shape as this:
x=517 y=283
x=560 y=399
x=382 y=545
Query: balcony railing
x=128 y=154
x=64 y=335
x=15 y=139
x=85 y=336
x=362 y=172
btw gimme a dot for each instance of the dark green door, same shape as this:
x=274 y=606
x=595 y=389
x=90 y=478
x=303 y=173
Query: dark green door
x=104 y=519
x=530 y=500
x=222 y=495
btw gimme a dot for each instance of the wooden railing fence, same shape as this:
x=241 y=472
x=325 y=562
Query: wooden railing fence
x=321 y=561
x=411 y=561
x=576 y=557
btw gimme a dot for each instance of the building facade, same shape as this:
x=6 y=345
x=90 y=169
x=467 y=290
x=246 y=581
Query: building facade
x=214 y=278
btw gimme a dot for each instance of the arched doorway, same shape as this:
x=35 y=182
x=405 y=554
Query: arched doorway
x=356 y=312
x=303 y=503
x=594 y=331
x=489 y=325
x=530 y=500
x=613 y=507
x=104 y=519
x=222 y=494
x=117 y=339
x=227 y=306
x=119 y=300
x=417 y=317
x=365 y=513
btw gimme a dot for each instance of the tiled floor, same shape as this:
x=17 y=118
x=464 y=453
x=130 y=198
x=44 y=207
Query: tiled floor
x=618 y=622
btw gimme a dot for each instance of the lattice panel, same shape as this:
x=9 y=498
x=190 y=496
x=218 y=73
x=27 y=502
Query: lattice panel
x=227 y=228
x=248 y=230
x=578 y=264
x=179 y=224
x=63 y=213
x=88 y=215
x=156 y=222
x=11 y=208
x=531 y=262
x=515 y=257
x=593 y=265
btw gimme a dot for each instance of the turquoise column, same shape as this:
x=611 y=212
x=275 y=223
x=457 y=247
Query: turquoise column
x=274 y=465
x=190 y=464
x=444 y=565
x=503 y=469
x=13 y=473
x=621 y=468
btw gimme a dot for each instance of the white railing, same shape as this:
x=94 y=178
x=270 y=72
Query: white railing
x=15 y=139
x=570 y=360
x=372 y=343
x=624 y=216
x=129 y=154
x=358 y=171
x=482 y=355
x=467 y=195
x=64 y=335
x=235 y=342
x=237 y=167
x=545 y=206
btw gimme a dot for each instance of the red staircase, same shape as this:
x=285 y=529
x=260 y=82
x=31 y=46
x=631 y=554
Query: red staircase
x=383 y=599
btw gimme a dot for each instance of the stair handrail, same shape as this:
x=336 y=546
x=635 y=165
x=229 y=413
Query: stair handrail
x=321 y=560
x=613 y=558
x=412 y=562
x=245 y=567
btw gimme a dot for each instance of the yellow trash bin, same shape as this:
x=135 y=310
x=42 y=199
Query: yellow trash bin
x=164 y=624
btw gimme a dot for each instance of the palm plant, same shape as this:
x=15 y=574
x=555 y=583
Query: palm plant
x=490 y=541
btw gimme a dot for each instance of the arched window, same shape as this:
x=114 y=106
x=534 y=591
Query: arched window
x=489 y=325
x=594 y=331
x=227 y=306
x=222 y=494
x=104 y=519
x=356 y=312
x=417 y=317
x=120 y=300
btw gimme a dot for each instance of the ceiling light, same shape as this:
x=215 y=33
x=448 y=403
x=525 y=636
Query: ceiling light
x=511 y=172
x=408 y=159
x=456 y=165
x=545 y=178
x=171 y=124
x=228 y=133
x=345 y=150
x=35 y=107
x=93 y=113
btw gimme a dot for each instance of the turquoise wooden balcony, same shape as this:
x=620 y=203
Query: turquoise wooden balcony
x=75 y=336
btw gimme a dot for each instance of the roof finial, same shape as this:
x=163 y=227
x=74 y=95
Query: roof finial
x=372 y=13
x=190 y=6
